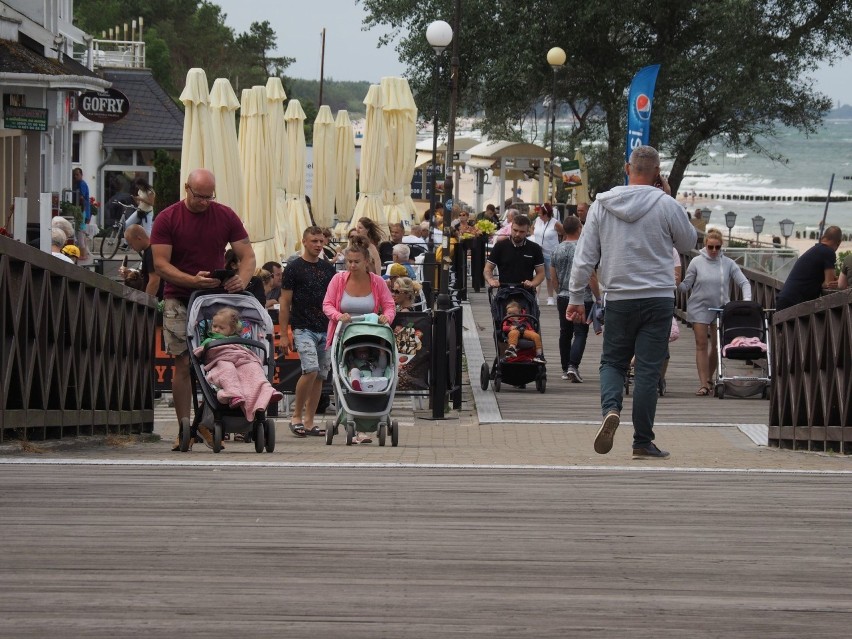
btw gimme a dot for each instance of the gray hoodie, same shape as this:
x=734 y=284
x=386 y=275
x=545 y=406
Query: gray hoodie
x=630 y=231
x=709 y=278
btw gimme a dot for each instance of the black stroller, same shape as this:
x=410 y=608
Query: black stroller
x=521 y=370
x=257 y=335
x=742 y=333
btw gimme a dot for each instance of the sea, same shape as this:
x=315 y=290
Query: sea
x=728 y=179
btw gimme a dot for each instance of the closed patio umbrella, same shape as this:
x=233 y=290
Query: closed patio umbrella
x=344 y=155
x=226 y=150
x=196 y=149
x=400 y=116
x=275 y=97
x=258 y=203
x=295 y=216
x=370 y=199
x=322 y=201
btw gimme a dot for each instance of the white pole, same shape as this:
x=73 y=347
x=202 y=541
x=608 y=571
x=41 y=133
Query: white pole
x=45 y=212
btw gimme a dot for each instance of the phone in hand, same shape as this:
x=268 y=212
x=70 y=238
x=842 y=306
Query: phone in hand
x=222 y=274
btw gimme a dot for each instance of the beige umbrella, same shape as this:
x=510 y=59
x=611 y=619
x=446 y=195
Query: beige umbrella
x=226 y=151
x=344 y=155
x=275 y=97
x=258 y=203
x=295 y=216
x=322 y=202
x=400 y=116
x=196 y=151
x=372 y=162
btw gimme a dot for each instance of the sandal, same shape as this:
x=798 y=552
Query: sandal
x=704 y=391
x=362 y=438
x=298 y=430
x=316 y=431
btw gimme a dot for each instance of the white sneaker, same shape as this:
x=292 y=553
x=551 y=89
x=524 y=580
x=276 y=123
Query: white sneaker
x=565 y=375
x=550 y=301
x=574 y=375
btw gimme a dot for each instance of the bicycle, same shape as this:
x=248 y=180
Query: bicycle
x=115 y=236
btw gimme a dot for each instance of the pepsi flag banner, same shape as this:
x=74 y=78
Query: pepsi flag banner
x=639 y=102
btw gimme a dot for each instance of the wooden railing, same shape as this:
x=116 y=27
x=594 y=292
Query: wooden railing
x=77 y=350
x=812 y=388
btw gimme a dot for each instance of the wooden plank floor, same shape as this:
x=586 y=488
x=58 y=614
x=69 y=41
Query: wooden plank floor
x=581 y=402
x=324 y=552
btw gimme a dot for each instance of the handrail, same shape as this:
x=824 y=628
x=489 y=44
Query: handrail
x=77 y=349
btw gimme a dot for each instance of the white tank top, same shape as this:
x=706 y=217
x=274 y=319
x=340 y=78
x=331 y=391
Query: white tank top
x=545 y=235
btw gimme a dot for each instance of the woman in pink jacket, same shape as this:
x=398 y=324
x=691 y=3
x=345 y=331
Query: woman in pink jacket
x=356 y=291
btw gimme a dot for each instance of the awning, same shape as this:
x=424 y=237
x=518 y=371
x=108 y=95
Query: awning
x=24 y=67
x=480 y=163
x=422 y=159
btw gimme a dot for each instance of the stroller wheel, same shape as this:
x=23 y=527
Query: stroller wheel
x=497 y=383
x=217 y=437
x=185 y=432
x=269 y=433
x=329 y=434
x=259 y=437
x=765 y=393
x=394 y=433
x=484 y=376
x=350 y=433
x=720 y=391
x=541 y=384
x=383 y=431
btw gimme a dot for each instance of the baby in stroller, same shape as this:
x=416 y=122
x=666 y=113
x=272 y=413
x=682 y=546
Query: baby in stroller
x=517 y=325
x=235 y=370
x=368 y=369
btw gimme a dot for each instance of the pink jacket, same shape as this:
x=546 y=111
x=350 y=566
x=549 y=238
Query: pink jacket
x=382 y=297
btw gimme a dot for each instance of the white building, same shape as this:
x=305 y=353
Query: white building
x=38 y=80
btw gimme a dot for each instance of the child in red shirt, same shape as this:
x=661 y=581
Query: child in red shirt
x=517 y=325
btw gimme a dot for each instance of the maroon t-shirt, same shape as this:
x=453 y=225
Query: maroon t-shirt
x=198 y=240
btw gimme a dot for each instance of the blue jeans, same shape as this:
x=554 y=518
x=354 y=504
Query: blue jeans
x=641 y=328
x=572 y=337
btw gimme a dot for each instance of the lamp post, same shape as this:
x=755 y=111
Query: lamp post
x=705 y=214
x=757 y=224
x=556 y=59
x=439 y=34
x=730 y=221
x=787 y=229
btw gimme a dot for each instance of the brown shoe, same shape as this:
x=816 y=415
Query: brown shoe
x=207 y=436
x=606 y=433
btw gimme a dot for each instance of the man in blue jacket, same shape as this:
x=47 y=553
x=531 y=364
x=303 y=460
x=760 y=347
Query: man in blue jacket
x=630 y=231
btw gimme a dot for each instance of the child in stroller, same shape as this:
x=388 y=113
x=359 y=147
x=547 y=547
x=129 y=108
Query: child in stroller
x=235 y=370
x=517 y=325
x=368 y=369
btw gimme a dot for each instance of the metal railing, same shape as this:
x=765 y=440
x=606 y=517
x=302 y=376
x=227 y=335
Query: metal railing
x=77 y=350
x=117 y=54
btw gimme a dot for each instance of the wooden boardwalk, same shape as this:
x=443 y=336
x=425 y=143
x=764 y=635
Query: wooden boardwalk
x=567 y=402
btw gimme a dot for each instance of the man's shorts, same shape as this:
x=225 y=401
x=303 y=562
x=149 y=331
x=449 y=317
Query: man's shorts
x=174 y=327
x=312 y=352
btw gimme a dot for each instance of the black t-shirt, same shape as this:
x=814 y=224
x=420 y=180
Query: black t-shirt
x=386 y=252
x=804 y=282
x=308 y=281
x=147 y=268
x=516 y=263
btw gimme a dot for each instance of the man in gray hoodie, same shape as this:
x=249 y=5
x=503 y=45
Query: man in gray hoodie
x=630 y=231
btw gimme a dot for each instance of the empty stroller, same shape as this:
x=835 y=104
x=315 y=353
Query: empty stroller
x=519 y=370
x=363 y=369
x=255 y=333
x=742 y=333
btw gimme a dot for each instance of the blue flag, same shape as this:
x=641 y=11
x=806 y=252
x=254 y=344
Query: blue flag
x=639 y=102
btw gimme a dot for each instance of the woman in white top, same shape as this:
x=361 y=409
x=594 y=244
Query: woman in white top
x=144 y=200
x=546 y=233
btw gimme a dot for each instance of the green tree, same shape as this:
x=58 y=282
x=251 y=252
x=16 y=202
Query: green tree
x=732 y=68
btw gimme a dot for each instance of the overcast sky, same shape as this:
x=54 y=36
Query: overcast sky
x=351 y=54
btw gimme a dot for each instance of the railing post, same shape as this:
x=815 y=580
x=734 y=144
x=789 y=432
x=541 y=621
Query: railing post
x=440 y=366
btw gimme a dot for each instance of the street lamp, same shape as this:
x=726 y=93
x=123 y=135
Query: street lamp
x=439 y=34
x=787 y=229
x=757 y=224
x=730 y=221
x=556 y=59
x=705 y=214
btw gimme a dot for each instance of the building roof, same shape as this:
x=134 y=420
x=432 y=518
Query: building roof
x=20 y=65
x=154 y=121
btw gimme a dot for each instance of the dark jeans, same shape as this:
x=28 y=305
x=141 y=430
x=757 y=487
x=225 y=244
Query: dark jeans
x=572 y=337
x=639 y=327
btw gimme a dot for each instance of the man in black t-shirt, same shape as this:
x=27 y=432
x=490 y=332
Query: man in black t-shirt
x=139 y=241
x=812 y=272
x=518 y=261
x=303 y=287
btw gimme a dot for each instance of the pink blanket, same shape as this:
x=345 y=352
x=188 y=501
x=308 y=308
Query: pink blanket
x=238 y=373
x=748 y=342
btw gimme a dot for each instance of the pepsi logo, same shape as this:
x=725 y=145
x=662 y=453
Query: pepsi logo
x=642 y=106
